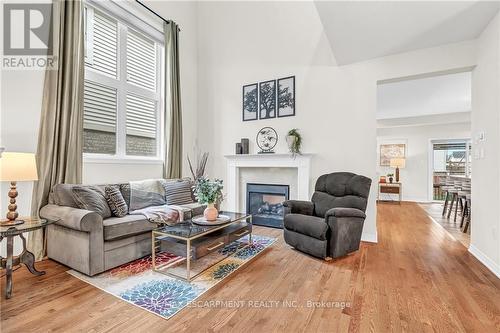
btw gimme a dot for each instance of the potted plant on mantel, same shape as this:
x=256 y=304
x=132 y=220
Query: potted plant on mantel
x=391 y=177
x=294 y=141
x=209 y=193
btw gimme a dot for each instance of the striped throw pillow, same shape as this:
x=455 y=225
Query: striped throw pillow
x=178 y=192
x=116 y=201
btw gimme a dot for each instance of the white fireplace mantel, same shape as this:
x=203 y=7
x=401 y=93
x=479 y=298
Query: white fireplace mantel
x=234 y=162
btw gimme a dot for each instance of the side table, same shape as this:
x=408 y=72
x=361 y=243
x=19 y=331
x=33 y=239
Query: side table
x=390 y=188
x=26 y=257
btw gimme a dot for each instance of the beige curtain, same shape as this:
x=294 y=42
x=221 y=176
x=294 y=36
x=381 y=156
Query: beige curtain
x=60 y=138
x=173 y=116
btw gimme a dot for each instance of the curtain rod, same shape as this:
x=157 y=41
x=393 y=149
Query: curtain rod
x=154 y=13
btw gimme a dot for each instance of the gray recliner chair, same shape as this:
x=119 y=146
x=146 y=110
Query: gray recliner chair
x=330 y=225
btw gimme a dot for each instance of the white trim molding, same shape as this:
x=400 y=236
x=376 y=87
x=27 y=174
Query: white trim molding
x=485 y=260
x=370 y=238
x=234 y=162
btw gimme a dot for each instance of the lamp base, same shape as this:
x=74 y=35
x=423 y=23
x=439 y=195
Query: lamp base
x=12 y=213
x=10 y=223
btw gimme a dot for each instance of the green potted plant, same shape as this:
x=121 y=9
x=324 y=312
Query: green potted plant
x=294 y=141
x=391 y=177
x=209 y=193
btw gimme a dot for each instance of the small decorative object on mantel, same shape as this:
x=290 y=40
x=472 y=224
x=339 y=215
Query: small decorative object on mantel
x=209 y=193
x=390 y=176
x=286 y=96
x=245 y=146
x=267 y=138
x=294 y=141
x=250 y=105
x=267 y=99
x=238 y=150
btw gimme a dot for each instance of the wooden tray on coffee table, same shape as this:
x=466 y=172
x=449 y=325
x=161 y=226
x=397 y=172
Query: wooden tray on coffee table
x=221 y=219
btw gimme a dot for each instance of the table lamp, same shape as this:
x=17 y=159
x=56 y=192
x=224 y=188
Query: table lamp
x=16 y=167
x=398 y=163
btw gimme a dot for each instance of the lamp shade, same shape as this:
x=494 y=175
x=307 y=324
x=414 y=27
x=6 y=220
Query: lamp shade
x=18 y=167
x=398 y=163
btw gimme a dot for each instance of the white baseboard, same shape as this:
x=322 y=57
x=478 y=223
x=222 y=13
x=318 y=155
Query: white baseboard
x=371 y=238
x=419 y=200
x=485 y=260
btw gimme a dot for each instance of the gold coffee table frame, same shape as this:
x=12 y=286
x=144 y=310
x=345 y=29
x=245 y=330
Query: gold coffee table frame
x=160 y=232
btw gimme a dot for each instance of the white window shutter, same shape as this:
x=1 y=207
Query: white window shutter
x=141 y=61
x=141 y=116
x=99 y=107
x=104 y=44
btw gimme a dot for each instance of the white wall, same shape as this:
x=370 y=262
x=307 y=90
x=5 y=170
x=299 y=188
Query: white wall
x=485 y=243
x=415 y=176
x=441 y=94
x=336 y=106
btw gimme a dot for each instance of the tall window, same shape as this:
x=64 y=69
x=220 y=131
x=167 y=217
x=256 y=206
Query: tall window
x=123 y=102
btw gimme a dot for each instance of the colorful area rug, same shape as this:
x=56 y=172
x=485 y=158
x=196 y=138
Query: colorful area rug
x=138 y=284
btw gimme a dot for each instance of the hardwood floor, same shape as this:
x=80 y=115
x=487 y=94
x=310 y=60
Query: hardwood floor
x=416 y=279
x=435 y=210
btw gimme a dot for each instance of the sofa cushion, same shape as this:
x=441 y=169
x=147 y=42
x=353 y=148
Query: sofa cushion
x=115 y=201
x=91 y=198
x=307 y=225
x=146 y=193
x=62 y=195
x=129 y=225
x=178 y=192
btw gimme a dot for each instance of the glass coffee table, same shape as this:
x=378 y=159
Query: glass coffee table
x=194 y=248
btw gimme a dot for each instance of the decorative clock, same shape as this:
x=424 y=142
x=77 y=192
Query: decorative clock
x=267 y=138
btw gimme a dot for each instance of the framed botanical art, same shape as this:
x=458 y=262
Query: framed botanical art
x=390 y=151
x=286 y=96
x=250 y=105
x=267 y=99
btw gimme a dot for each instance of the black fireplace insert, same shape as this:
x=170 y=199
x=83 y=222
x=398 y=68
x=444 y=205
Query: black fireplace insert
x=265 y=203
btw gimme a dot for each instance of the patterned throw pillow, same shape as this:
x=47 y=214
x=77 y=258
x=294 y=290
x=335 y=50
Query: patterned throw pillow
x=125 y=189
x=91 y=198
x=178 y=192
x=116 y=201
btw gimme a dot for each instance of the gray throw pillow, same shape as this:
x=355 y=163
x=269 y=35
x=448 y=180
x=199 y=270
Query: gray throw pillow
x=116 y=201
x=91 y=198
x=178 y=192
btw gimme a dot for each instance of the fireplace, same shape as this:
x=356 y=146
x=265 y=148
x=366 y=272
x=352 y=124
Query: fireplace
x=265 y=203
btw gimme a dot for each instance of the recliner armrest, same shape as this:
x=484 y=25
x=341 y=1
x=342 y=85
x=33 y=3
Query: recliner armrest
x=73 y=218
x=345 y=212
x=299 y=207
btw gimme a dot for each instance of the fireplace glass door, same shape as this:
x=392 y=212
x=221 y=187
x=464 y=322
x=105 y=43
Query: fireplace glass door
x=265 y=203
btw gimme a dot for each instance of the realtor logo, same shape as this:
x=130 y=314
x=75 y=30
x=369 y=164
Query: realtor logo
x=27 y=35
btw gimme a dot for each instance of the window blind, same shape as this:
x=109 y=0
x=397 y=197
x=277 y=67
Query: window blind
x=105 y=44
x=99 y=107
x=141 y=116
x=141 y=60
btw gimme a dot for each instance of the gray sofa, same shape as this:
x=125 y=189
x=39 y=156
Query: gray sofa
x=84 y=241
x=330 y=225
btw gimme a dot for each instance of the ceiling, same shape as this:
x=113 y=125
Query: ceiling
x=437 y=95
x=362 y=30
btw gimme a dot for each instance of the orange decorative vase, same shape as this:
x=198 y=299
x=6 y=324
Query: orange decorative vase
x=210 y=213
